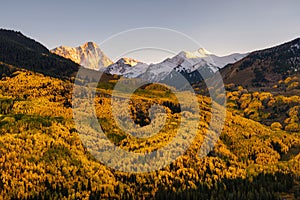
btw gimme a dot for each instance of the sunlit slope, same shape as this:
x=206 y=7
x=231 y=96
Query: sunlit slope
x=42 y=155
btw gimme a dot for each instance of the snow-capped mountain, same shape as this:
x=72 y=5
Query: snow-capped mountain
x=182 y=63
x=218 y=61
x=88 y=55
x=127 y=67
x=187 y=63
x=225 y=60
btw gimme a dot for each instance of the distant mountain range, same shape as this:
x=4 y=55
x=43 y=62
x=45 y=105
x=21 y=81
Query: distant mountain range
x=91 y=56
x=260 y=70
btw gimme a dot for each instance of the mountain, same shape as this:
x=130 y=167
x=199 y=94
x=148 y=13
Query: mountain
x=265 y=69
x=189 y=64
x=181 y=63
x=222 y=61
x=88 y=55
x=127 y=67
x=218 y=61
x=19 y=51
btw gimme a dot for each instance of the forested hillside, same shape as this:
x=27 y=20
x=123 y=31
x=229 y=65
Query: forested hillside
x=20 y=51
x=261 y=70
x=42 y=156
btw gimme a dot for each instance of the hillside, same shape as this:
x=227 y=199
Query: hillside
x=20 y=51
x=263 y=70
x=42 y=155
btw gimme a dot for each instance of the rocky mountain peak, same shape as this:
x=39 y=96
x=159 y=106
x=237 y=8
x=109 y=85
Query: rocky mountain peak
x=88 y=55
x=90 y=46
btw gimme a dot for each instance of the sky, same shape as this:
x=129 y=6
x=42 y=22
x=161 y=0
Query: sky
x=221 y=27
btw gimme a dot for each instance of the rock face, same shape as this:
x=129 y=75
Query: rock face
x=88 y=55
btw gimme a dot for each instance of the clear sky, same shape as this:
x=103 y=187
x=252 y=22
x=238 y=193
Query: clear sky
x=222 y=27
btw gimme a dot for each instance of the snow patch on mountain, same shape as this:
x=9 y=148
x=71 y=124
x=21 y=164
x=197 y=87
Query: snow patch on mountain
x=127 y=67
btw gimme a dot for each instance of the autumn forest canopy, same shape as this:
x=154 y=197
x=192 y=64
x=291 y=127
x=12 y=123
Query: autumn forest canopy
x=43 y=156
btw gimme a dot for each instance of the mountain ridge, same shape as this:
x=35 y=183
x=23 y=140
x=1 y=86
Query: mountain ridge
x=190 y=59
x=263 y=69
x=20 y=51
x=189 y=64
